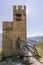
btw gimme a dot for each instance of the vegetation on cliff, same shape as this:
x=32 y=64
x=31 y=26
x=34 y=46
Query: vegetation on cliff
x=40 y=49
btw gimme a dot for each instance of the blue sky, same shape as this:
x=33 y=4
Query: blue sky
x=34 y=14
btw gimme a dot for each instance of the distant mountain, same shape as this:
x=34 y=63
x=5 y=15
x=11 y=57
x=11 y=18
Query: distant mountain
x=32 y=41
x=0 y=39
x=35 y=40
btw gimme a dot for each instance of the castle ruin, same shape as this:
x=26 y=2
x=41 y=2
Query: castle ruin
x=14 y=29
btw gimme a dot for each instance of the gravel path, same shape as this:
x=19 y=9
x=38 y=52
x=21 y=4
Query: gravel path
x=34 y=61
x=31 y=59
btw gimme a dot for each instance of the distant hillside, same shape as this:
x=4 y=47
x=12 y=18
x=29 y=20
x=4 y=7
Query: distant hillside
x=35 y=40
x=32 y=41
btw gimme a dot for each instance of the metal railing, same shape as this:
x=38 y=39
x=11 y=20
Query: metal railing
x=29 y=47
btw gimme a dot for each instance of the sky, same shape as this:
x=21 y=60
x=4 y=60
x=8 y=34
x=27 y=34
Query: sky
x=34 y=15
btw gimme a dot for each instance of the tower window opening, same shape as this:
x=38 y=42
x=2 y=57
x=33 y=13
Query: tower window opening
x=18 y=16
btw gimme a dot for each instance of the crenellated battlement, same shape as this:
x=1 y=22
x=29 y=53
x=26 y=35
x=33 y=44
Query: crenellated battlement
x=19 y=7
x=19 y=10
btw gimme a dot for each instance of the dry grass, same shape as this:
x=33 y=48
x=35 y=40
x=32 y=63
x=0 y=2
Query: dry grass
x=0 y=53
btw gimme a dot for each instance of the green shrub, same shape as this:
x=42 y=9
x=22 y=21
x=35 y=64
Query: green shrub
x=26 y=63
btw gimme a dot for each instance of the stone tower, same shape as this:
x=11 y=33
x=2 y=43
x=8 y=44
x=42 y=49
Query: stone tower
x=14 y=29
